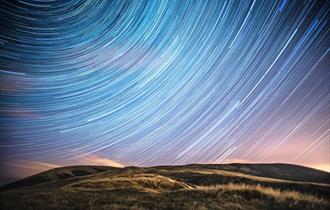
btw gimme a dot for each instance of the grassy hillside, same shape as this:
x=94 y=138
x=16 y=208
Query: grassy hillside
x=171 y=187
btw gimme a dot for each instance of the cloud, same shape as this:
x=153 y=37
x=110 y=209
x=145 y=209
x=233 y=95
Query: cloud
x=234 y=160
x=31 y=165
x=98 y=160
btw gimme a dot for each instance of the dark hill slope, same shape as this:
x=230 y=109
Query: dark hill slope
x=274 y=170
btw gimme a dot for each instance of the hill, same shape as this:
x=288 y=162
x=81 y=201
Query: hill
x=196 y=186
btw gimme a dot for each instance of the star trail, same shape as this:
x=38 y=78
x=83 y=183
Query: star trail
x=165 y=82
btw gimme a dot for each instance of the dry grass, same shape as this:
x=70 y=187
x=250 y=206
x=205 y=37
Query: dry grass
x=143 y=182
x=280 y=195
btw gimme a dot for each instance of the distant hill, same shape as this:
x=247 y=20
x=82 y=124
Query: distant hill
x=195 y=186
x=274 y=170
x=57 y=174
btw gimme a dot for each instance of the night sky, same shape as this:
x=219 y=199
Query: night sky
x=163 y=82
